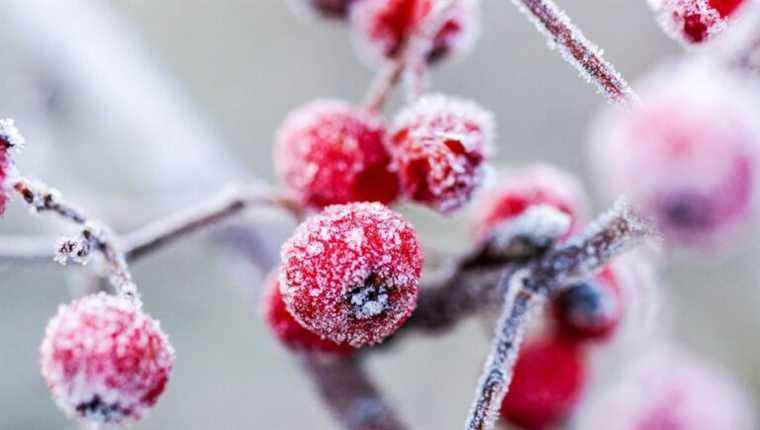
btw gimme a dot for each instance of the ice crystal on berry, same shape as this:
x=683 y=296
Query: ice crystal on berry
x=687 y=157
x=382 y=27
x=329 y=152
x=289 y=331
x=105 y=360
x=548 y=379
x=439 y=145
x=350 y=274
x=694 y=21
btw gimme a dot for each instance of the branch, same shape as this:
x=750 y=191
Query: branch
x=577 y=50
x=352 y=398
x=163 y=232
x=614 y=233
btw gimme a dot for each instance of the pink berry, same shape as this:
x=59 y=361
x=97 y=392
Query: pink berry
x=688 y=156
x=336 y=9
x=10 y=139
x=4 y=166
x=105 y=360
x=329 y=152
x=439 y=145
x=694 y=21
x=669 y=389
x=382 y=27
x=513 y=192
x=289 y=331
x=548 y=379
x=589 y=310
x=350 y=274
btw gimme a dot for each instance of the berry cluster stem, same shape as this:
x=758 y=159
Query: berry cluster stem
x=353 y=399
x=577 y=50
x=613 y=233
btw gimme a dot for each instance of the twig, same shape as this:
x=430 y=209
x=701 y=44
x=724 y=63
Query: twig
x=577 y=50
x=41 y=198
x=352 y=398
x=162 y=232
x=615 y=232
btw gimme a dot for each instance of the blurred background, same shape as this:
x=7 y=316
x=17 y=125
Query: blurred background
x=137 y=108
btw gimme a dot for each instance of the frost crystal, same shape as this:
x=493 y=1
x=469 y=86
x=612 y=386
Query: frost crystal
x=9 y=134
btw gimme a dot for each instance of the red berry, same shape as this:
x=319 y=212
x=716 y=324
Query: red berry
x=4 y=166
x=337 y=9
x=289 y=331
x=514 y=192
x=694 y=21
x=105 y=360
x=548 y=379
x=589 y=310
x=350 y=274
x=329 y=152
x=438 y=146
x=10 y=138
x=381 y=27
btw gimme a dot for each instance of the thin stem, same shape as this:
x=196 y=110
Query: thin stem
x=42 y=198
x=613 y=233
x=577 y=50
x=352 y=398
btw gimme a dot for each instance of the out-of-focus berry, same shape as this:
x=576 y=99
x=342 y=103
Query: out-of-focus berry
x=10 y=139
x=289 y=331
x=694 y=21
x=438 y=146
x=105 y=360
x=589 y=310
x=382 y=27
x=669 y=389
x=334 y=9
x=329 y=152
x=351 y=273
x=548 y=379
x=687 y=157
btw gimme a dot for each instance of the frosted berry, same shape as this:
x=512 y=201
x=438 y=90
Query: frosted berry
x=548 y=379
x=105 y=360
x=382 y=27
x=10 y=139
x=439 y=145
x=512 y=193
x=336 y=9
x=289 y=331
x=589 y=310
x=669 y=389
x=687 y=157
x=694 y=21
x=350 y=274
x=329 y=152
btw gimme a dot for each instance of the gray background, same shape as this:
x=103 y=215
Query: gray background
x=236 y=68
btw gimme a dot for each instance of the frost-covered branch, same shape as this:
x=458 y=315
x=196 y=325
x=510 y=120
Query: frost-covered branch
x=613 y=233
x=162 y=232
x=577 y=50
x=94 y=235
x=353 y=399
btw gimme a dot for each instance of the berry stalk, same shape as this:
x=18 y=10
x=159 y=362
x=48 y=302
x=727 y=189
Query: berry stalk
x=353 y=399
x=613 y=233
x=577 y=50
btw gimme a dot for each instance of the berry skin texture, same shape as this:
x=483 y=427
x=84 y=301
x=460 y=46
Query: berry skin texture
x=105 y=360
x=351 y=273
x=688 y=158
x=439 y=146
x=515 y=191
x=290 y=332
x=329 y=152
x=548 y=379
x=382 y=27
x=693 y=22
x=590 y=310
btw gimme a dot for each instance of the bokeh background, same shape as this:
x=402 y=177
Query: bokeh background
x=137 y=108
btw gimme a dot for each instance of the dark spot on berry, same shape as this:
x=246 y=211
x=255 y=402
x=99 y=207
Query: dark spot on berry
x=98 y=410
x=368 y=300
x=583 y=303
x=686 y=210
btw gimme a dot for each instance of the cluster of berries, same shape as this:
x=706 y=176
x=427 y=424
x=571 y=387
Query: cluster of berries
x=550 y=371
x=694 y=22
